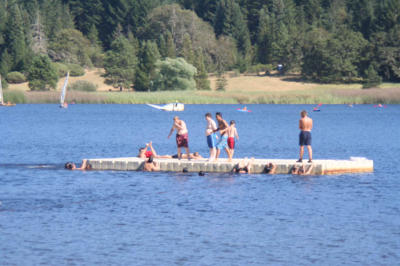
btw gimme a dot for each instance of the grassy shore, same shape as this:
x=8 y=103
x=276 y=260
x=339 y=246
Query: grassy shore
x=326 y=96
x=242 y=89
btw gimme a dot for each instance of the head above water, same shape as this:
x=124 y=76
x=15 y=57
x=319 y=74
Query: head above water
x=69 y=166
x=218 y=115
x=303 y=113
x=208 y=116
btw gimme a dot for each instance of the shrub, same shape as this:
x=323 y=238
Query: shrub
x=62 y=69
x=15 y=77
x=82 y=85
x=372 y=79
x=75 y=70
x=14 y=96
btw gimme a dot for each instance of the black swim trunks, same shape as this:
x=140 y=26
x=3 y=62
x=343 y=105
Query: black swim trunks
x=175 y=156
x=305 y=138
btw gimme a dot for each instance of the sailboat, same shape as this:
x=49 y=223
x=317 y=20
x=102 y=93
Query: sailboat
x=2 y=98
x=170 y=107
x=63 y=104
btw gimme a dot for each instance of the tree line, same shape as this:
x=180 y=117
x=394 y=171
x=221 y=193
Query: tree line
x=173 y=44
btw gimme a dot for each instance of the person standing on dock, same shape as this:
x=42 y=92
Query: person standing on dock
x=211 y=136
x=222 y=128
x=305 y=126
x=232 y=134
x=182 y=137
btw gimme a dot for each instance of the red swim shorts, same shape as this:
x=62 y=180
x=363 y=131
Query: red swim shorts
x=231 y=143
x=182 y=140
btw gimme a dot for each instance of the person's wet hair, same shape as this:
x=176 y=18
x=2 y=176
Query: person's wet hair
x=185 y=170
x=69 y=165
x=208 y=115
x=232 y=122
x=303 y=113
x=150 y=160
x=218 y=114
x=201 y=173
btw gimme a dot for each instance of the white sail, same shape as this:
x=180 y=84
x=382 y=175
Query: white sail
x=64 y=91
x=171 y=107
x=1 y=93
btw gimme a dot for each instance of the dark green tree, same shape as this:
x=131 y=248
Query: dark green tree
x=145 y=73
x=15 y=38
x=120 y=63
x=42 y=75
x=371 y=78
x=202 y=82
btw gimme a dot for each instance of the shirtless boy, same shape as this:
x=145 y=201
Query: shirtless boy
x=222 y=128
x=182 y=139
x=211 y=136
x=305 y=126
x=232 y=134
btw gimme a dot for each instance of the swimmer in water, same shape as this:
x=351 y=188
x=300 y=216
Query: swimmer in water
x=244 y=166
x=301 y=170
x=151 y=166
x=85 y=166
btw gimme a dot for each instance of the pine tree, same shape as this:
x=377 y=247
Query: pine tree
x=145 y=73
x=187 y=50
x=371 y=78
x=15 y=38
x=202 y=82
x=120 y=63
x=42 y=74
x=170 y=46
x=38 y=39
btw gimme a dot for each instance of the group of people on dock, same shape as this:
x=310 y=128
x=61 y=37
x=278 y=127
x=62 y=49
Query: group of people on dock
x=224 y=141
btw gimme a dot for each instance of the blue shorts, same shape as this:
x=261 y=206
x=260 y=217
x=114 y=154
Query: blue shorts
x=305 y=138
x=212 y=140
x=222 y=142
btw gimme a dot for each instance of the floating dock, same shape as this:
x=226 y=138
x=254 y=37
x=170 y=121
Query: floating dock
x=320 y=167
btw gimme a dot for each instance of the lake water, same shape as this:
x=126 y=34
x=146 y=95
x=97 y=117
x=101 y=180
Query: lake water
x=49 y=215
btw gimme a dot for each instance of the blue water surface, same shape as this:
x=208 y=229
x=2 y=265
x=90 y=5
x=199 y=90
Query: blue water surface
x=53 y=216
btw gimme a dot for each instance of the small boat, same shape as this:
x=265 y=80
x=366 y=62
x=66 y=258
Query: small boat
x=170 y=107
x=63 y=104
x=2 y=103
x=244 y=109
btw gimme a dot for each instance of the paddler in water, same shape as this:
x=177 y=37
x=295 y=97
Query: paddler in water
x=85 y=166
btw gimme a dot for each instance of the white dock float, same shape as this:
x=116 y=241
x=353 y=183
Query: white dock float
x=320 y=167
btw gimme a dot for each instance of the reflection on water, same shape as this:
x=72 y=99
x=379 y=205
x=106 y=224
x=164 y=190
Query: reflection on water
x=49 y=215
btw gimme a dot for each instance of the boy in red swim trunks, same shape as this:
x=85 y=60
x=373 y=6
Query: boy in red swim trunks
x=232 y=133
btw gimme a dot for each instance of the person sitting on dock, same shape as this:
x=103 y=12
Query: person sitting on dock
x=244 y=166
x=145 y=153
x=301 y=170
x=150 y=165
x=85 y=166
x=270 y=168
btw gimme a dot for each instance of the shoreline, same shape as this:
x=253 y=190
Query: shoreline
x=349 y=96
